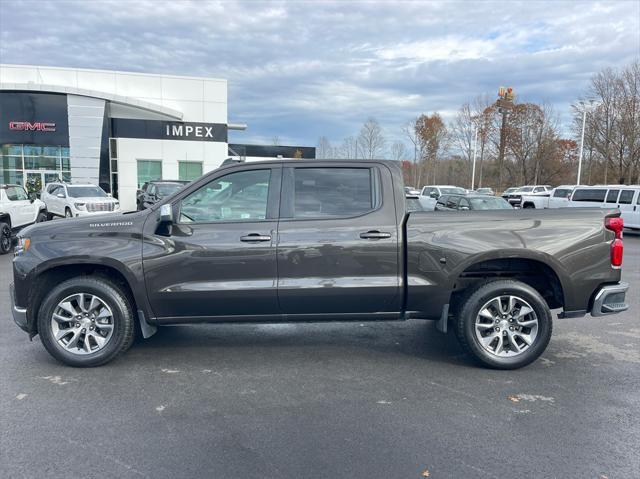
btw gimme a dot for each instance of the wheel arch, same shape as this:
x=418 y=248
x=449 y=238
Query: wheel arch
x=539 y=272
x=55 y=273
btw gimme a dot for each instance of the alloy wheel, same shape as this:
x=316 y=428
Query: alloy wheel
x=506 y=326
x=82 y=323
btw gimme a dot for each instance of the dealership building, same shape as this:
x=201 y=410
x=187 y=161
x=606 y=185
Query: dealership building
x=115 y=129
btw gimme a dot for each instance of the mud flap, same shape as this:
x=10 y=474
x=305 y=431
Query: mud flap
x=147 y=329
x=441 y=325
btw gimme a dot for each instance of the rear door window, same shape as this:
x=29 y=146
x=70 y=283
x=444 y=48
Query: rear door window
x=334 y=192
x=626 y=197
x=561 y=193
x=452 y=202
x=612 y=196
x=595 y=195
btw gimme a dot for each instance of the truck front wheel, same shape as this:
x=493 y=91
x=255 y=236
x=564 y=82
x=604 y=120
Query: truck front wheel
x=5 y=238
x=504 y=324
x=86 y=321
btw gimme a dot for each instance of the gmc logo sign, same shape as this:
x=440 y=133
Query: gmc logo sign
x=28 y=126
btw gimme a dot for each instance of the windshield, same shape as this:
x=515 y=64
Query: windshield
x=489 y=203
x=525 y=189
x=453 y=191
x=85 y=192
x=167 y=188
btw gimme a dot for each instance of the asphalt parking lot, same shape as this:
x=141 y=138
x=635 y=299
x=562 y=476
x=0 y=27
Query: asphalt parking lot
x=359 y=400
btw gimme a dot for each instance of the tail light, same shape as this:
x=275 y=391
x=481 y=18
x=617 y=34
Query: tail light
x=617 y=248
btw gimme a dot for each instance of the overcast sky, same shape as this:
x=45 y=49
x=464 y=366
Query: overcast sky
x=298 y=70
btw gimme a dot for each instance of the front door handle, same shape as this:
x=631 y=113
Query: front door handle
x=375 y=235
x=255 y=237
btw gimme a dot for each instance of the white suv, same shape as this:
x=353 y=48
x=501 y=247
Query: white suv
x=430 y=194
x=17 y=210
x=71 y=200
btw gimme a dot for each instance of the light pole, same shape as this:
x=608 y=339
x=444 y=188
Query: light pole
x=475 y=149
x=585 y=108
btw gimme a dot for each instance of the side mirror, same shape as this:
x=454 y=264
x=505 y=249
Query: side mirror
x=166 y=214
x=434 y=195
x=60 y=195
x=32 y=197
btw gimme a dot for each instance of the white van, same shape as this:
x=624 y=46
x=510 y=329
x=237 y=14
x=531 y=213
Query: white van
x=625 y=198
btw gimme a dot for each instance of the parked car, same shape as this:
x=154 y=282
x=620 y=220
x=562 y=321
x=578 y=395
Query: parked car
x=530 y=197
x=410 y=190
x=314 y=240
x=74 y=200
x=17 y=210
x=485 y=191
x=625 y=198
x=508 y=191
x=154 y=191
x=471 y=202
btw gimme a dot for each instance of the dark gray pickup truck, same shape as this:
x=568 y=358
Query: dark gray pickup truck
x=314 y=241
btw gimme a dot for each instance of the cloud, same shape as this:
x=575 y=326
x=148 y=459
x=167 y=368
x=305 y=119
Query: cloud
x=298 y=70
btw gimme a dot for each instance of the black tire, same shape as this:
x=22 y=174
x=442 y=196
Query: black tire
x=528 y=205
x=5 y=238
x=68 y=213
x=49 y=216
x=42 y=216
x=123 y=320
x=473 y=300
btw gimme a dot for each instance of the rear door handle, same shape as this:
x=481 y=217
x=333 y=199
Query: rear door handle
x=255 y=238
x=375 y=235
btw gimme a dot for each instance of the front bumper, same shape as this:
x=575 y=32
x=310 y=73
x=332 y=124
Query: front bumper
x=610 y=299
x=19 y=314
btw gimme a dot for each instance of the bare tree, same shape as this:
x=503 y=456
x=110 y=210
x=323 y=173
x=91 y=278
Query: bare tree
x=411 y=132
x=398 y=151
x=371 y=140
x=349 y=148
x=275 y=140
x=324 y=148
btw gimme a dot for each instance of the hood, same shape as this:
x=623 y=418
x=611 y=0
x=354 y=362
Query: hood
x=94 y=199
x=86 y=225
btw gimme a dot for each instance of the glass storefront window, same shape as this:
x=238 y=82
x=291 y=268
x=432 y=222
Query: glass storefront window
x=12 y=162
x=41 y=163
x=189 y=170
x=38 y=164
x=32 y=150
x=12 y=150
x=51 y=151
x=149 y=170
x=11 y=176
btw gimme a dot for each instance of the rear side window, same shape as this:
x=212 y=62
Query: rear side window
x=626 y=197
x=334 y=192
x=539 y=189
x=595 y=195
x=561 y=193
x=612 y=196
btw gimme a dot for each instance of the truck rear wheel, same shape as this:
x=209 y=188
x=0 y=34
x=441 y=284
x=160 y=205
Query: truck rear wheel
x=86 y=321
x=504 y=324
